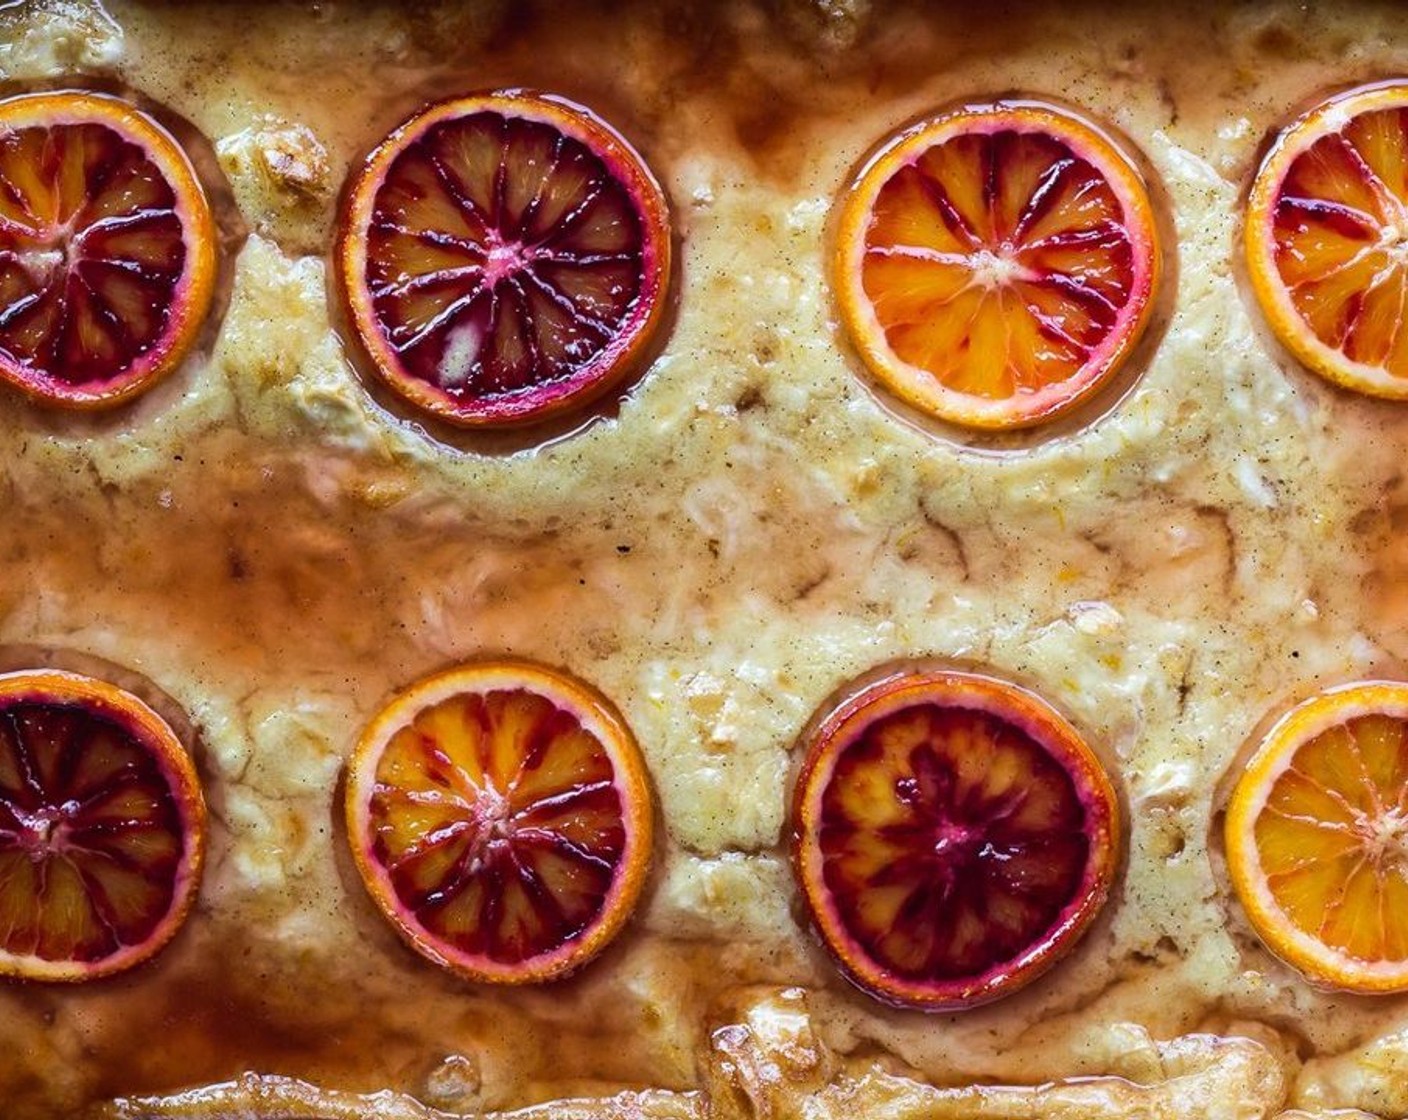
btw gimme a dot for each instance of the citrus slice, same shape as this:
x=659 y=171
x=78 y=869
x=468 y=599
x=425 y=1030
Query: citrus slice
x=1327 y=239
x=1317 y=838
x=501 y=818
x=102 y=828
x=996 y=264
x=107 y=249
x=953 y=838
x=503 y=258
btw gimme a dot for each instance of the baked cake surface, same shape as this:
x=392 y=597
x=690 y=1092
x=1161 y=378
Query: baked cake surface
x=277 y=551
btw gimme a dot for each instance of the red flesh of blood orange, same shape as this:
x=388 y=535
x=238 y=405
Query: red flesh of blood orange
x=102 y=828
x=1327 y=239
x=953 y=838
x=107 y=249
x=503 y=258
x=501 y=818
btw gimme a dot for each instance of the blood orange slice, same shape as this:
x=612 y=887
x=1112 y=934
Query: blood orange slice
x=953 y=838
x=501 y=818
x=102 y=828
x=996 y=264
x=503 y=258
x=107 y=249
x=1327 y=239
x=1317 y=838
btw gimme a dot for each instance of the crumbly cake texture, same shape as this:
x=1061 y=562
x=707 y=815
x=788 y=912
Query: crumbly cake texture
x=753 y=528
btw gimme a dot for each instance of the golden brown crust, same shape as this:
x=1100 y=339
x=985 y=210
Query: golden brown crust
x=772 y=1066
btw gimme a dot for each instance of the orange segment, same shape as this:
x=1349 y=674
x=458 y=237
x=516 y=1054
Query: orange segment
x=107 y=249
x=995 y=265
x=953 y=837
x=1317 y=838
x=503 y=258
x=1326 y=239
x=501 y=817
x=102 y=828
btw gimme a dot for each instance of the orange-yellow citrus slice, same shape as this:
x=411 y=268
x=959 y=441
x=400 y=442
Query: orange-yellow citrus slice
x=501 y=817
x=1317 y=838
x=1327 y=239
x=102 y=828
x=953 y=837
x=996 y=264
x=107 y=249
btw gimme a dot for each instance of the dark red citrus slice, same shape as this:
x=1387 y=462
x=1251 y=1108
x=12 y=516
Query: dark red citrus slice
x=107 y=249
x=503 y=257
x=995 y=265
x=953 y=838
x=501 y=817
x=102 y=828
